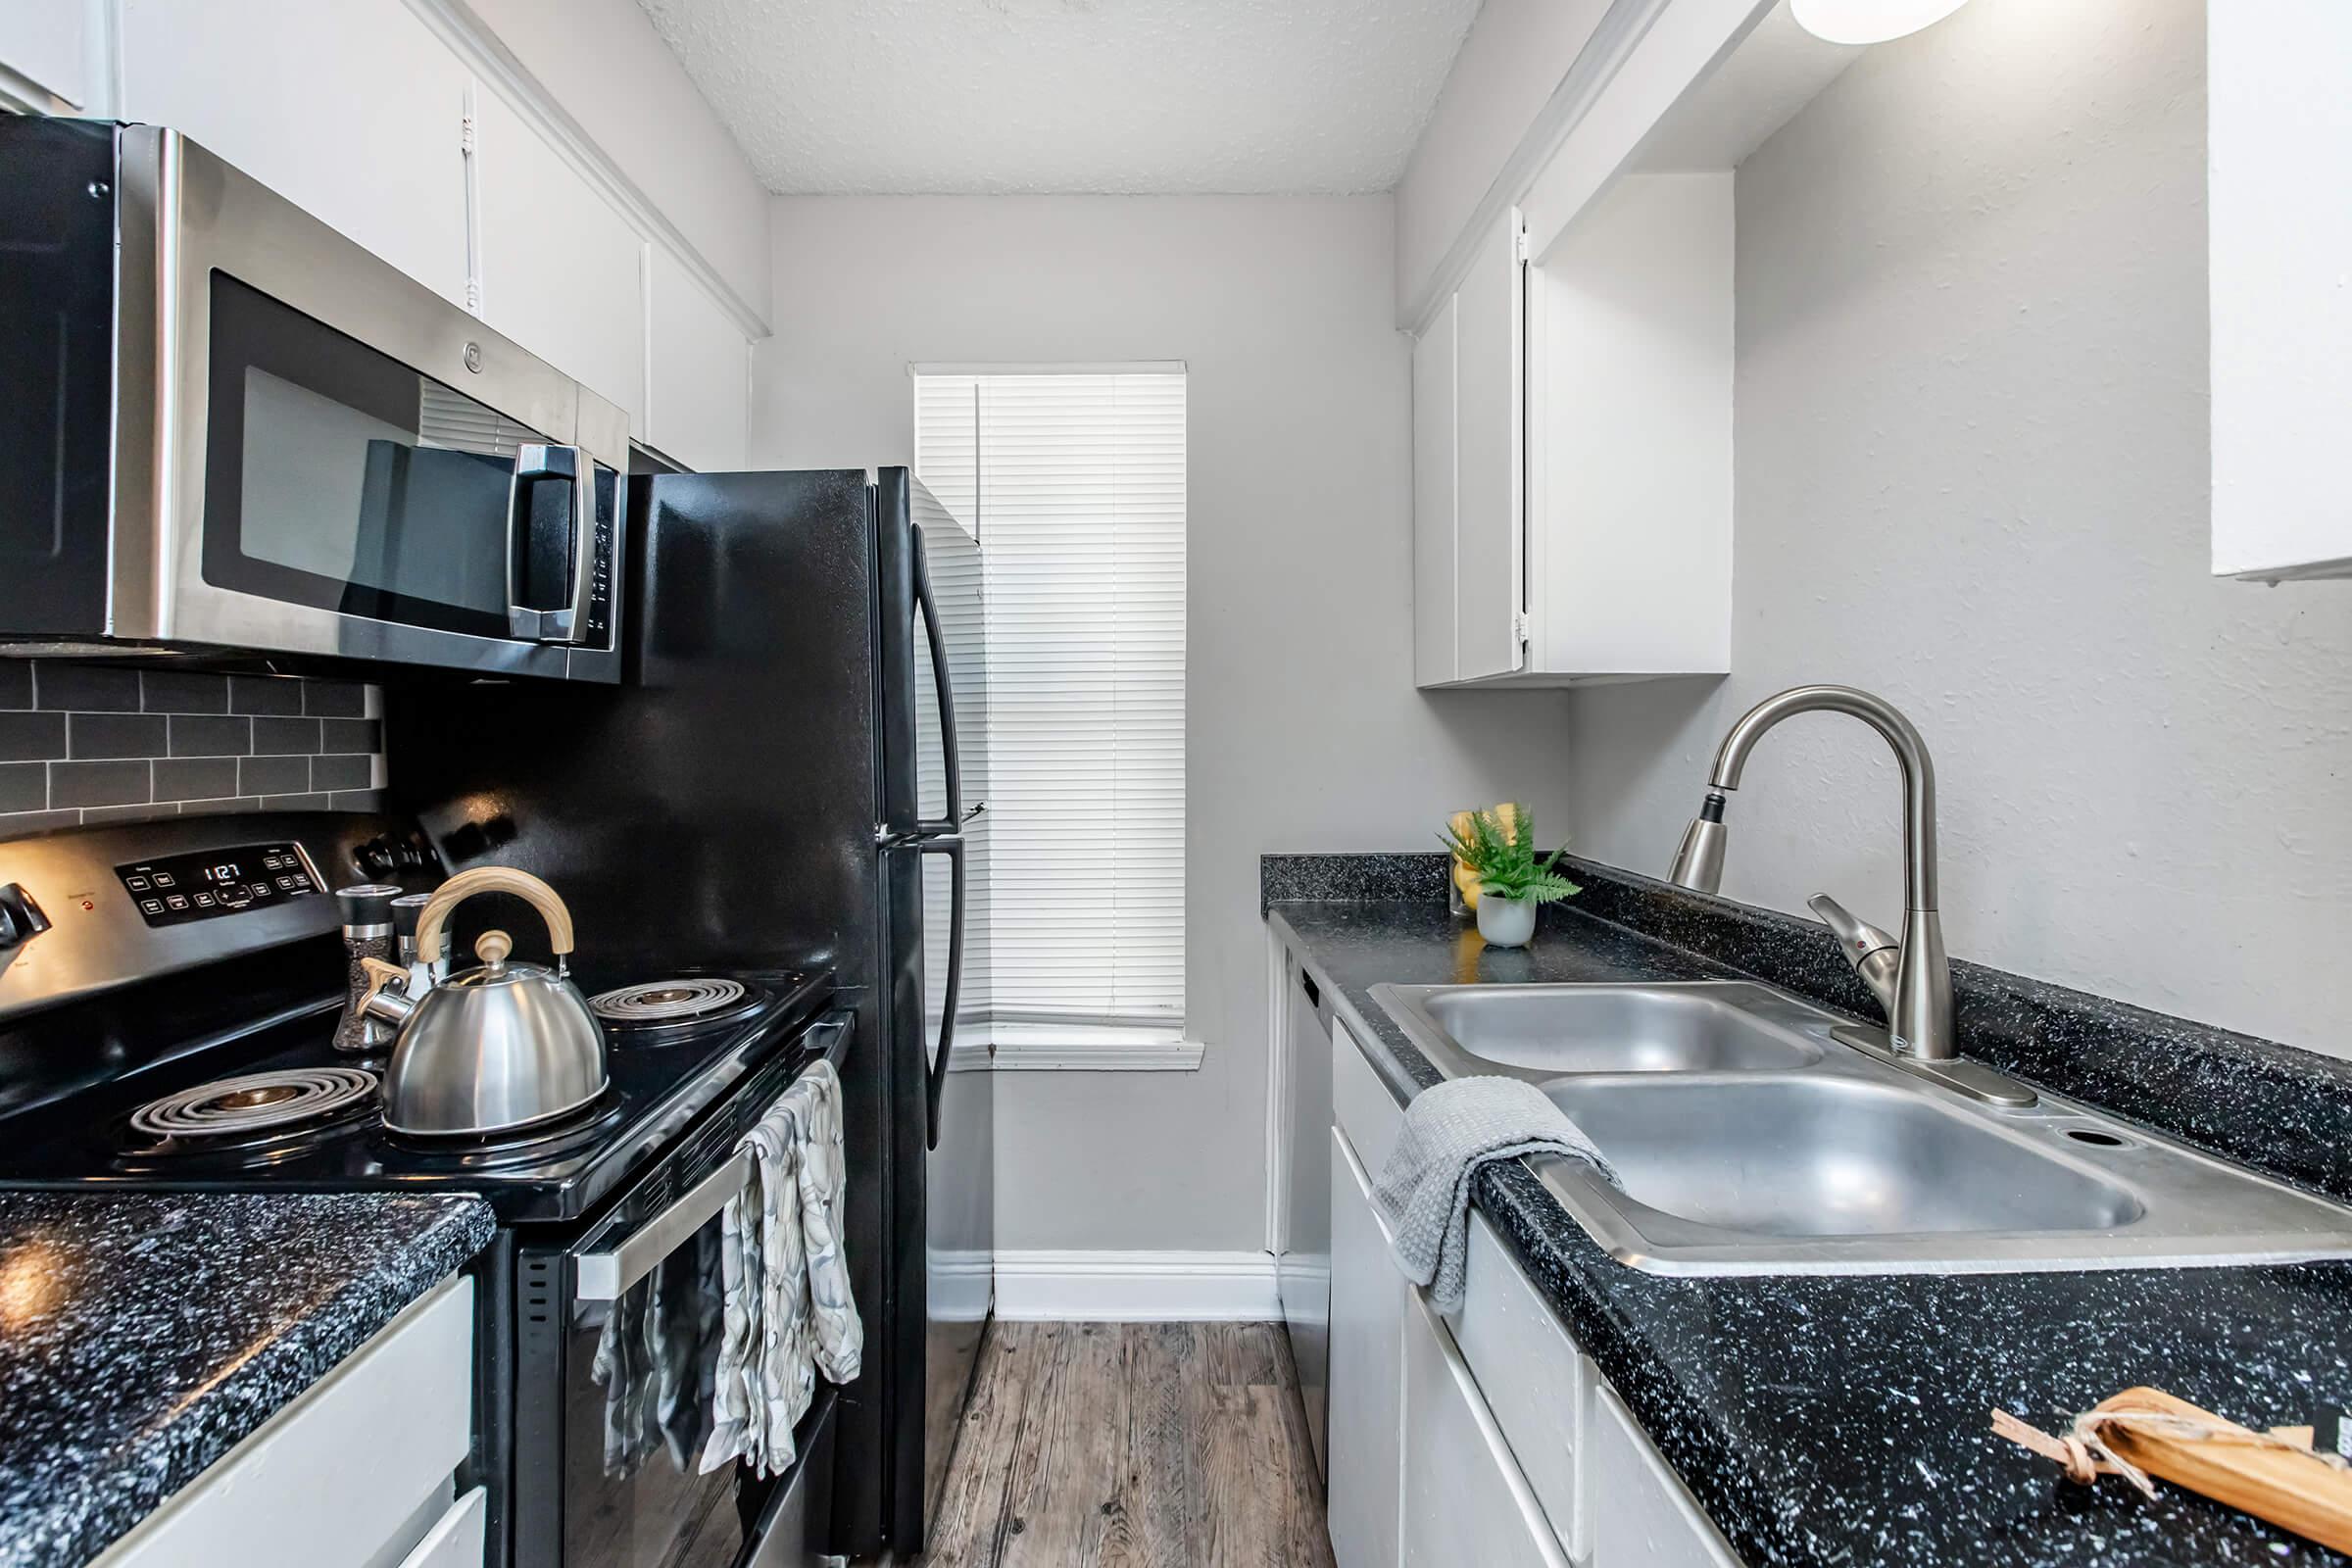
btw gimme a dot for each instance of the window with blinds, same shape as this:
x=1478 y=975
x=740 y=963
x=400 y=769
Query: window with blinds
x=1074 y=484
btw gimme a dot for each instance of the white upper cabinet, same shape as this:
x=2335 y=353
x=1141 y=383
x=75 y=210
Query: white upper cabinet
x=2279 y=141
x=274 y=86
x=43 y=50
x=562 y=273
x=1490 y=537
x=413 y=138
x=1469 y=501
x=698 y=409
x=1630 y=350
x=1590 y=495
x=1434 y=661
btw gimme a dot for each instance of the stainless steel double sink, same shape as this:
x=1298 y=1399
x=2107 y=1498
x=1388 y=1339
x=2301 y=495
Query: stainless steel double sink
x=1751 y=1138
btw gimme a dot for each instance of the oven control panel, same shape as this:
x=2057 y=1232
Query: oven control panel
x=179 y=887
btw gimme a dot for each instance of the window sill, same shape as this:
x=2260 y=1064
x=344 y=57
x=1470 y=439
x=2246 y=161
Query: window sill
x=1106 y=1048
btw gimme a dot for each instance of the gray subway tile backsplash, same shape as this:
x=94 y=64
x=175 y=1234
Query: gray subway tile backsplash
x=65 y=687
x=195 y=778
x=334 y=699
x=273 y=775
x=32 y=737
x=95 y=743
x=24 y=786
x=201 y=735
x=183 y=691
x=295 y=803
x=344 y=736
x=113 y=783
x=114 y=735
x=342 y=773
x=264 y=693
x=283 y=737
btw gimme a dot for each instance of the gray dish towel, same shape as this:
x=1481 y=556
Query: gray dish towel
x=789 y=1313
x=1448 y=1133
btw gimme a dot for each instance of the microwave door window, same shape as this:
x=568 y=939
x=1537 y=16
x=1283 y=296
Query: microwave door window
x=338 y=479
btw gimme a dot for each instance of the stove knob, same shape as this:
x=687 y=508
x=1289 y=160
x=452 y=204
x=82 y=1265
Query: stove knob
x=20 y=919
x=376 y=859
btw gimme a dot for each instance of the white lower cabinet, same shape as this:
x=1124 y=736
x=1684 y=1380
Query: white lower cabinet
x=1485 y=1438
x=1646 y=1515
x=1369 y=1299
x=355 y=1473
x=456 y=1538
x=1466 y=1499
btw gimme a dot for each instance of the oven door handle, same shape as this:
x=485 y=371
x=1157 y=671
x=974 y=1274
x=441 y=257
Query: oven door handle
x=604 y=1276
x=533 y=464
x=606 y=1273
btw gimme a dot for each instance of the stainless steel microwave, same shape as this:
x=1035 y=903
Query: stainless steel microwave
x=227 y=428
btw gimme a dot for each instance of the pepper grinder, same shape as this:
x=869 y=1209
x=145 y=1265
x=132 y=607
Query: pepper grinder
x=407 y=909
x=368 y=933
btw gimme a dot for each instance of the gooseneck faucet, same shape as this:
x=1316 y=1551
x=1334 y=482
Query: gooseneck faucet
x=1916 y=987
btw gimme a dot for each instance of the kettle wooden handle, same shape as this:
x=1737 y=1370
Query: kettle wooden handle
x=493 y=879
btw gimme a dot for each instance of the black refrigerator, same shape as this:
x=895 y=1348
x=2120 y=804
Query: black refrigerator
x=790 y=774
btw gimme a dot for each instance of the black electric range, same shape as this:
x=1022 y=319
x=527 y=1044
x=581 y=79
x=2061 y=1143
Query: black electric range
x=664 y=1079
x=116 y=1019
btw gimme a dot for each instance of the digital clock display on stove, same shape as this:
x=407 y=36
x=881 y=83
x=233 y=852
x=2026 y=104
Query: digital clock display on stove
x=179 y=888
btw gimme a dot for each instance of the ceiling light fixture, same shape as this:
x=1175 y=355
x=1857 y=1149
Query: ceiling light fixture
x=1868 y=21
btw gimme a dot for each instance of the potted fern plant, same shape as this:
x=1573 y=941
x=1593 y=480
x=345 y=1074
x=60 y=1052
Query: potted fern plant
x=1499 y=847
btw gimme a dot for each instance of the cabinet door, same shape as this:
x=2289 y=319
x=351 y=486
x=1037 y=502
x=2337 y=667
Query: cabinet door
x=1642 y=1513
x=352 y=111
x=1368 y=1299
x=698 y=394
x=562 y=273
x=42 y=41
x=1490 y=484
x=1434 y=502
x=1465 y=1501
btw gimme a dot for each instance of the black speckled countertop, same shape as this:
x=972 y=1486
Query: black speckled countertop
x=142 y=1336
x=1844 y=1419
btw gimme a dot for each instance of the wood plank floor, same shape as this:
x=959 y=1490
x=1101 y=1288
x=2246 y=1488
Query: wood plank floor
x=1136 y=1445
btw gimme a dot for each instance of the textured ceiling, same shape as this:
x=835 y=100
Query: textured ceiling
x=840 y=96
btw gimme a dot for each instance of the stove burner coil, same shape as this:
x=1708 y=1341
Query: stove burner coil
x=668 y=1001
x=229 y=1106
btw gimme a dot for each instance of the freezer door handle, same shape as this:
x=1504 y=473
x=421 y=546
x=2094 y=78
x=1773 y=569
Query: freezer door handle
x=949 y=756
x=950 y=845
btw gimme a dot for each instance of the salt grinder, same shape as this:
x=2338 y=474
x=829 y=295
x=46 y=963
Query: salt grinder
x=368 y=933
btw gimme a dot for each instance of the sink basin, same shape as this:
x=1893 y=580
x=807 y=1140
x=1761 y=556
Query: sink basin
x=1754 y=1137
x=1708 y=1025
x=1830 y=1156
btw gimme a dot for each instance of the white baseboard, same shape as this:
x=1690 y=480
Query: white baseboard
x=1088 y=1287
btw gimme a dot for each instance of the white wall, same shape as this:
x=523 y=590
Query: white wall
x=1514 y=57
x=1304 y=730
x=1972 y=474
x=610 y=71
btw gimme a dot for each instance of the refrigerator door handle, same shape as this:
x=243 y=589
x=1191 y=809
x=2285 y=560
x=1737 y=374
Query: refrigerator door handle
x=950 y=845
x=946 y=698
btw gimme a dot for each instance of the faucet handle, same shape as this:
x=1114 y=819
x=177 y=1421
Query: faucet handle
x=1873 y=954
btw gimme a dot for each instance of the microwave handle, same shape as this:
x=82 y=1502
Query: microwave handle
x=532 y=464
x=606 y=1273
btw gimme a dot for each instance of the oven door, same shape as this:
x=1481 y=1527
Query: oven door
x=348 y=464
x=617 y=1340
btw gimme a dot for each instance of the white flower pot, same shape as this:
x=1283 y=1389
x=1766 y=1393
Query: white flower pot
x=1505 y=922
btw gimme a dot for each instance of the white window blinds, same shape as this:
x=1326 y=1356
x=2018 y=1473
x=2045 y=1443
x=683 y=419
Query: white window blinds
x=1075 y=483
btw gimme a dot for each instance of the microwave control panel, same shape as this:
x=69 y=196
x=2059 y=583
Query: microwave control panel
x=179 y=888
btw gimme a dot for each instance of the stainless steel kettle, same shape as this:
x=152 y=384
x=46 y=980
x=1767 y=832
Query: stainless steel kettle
x=490 y=1048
